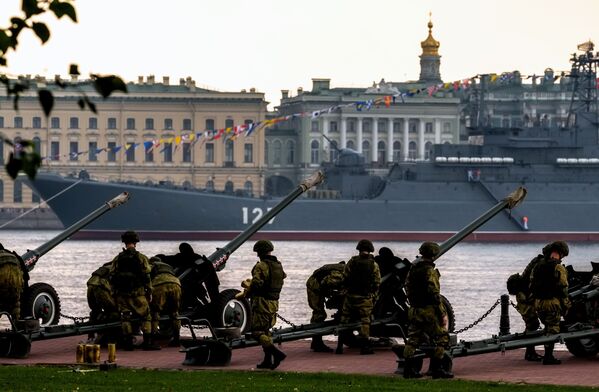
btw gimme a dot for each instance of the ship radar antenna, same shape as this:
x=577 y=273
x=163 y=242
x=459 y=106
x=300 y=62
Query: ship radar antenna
x=583 y=105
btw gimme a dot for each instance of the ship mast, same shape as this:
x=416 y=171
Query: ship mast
x=583 y=105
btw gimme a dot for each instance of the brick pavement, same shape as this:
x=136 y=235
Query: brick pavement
x=508 y=367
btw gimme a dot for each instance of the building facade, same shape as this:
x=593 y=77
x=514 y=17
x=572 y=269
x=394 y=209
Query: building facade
x=112 y=145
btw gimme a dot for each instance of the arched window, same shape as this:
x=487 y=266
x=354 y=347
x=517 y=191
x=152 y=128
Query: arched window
x=333 y=150
x=229 y=151
x=187 y=184
x=396 y=151
x=37 y=144
x=210 y=186
x=382 y=158
x=290 y=152
x=350 y=145
x=277 y=147
x=314 y=152
x=18 y=191
x=149 y=183
x=229 y=187
x=428 y=150
x=412 y=150
x=248 y=187
x=366 y=150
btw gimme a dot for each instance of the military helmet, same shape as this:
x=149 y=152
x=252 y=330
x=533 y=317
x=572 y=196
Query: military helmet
x=185 y=248
x=559 y=246
x=263 y=246
x=429 y=249
x=385 y=252
x=130 y=237
x=365 y=246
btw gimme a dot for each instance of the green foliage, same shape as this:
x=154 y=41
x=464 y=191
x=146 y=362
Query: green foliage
x=27 y=160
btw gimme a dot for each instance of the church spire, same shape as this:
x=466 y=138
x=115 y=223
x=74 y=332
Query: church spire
x=430 y=60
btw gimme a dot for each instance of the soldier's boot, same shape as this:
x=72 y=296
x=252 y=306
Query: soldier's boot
x=318 y=345
x=549 y=359
x=532 y=355
x=149 y=344
x=438 y=370
x=175 y=341
x=277 y=357
x=267 y=361
x=412 y=368
x=339 y=349
x=365 y=348
x=128 y=343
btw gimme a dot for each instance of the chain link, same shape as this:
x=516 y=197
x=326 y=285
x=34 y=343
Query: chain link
x=481 y=318
x=76 y=319
x=283 y=319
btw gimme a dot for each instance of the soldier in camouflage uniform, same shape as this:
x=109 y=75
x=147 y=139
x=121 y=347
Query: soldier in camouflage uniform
x=132 y=288
x=264 y=290
x=427 y=316
x=166 y=298
x=361 y=280
x=13 y=280
x=100 y=298
x=320 y=285
x=549 y=286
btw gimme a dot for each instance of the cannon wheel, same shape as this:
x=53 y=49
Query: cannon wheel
x=41 y=302
x=583 y=348
x=450 y=313
x=232 y=312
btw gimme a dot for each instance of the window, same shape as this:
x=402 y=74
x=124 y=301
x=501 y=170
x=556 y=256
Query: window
x=350 y=145
x=248 y=153
x=382 y=158
x=266 y=152
x=351 y=126
x=55 y=123
x=186 y=152
x=111 y=152
x=149 y=155
x=36 y=122
x=396 y=151
x=396 y=127
x=229 y=187
x=37 y=144
x=382 y=125
x=314 y=152
x=187 y=124
x=18 y=191
x=209 y=153
x=428 y=150
x=74 y=123
x=18 y=122
x=92 y=152
x=168 y=152
x=73 y=151
x=314 y=126
x=168 y=124
x=248 y=187
x=149 y=123
x=412 y=127
x=1 y=122
x=229 y=151
x=428 y=127
x=210 y=186
x=93 y=123
x=111 y=123
x=290 y=152
x=130 y=153
x=1 y=151
x=366 y=150
x=1 y=190
x=333 y=126
x=229 y=123
x=412 y=150
x=130 y=123
x=54 y=151
x=209 y=124
x=277 y=152
x=446 y=127
x=367 y=126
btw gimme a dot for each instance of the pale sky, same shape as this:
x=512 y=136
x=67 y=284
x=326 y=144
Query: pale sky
x=229 y=45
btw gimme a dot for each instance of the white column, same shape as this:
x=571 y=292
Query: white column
x=437 y=131
x=390 y=140
x=359 y=136
x=325 y=142
x=343 y=132
x=375 y=138
x=421 y=139
x=405 y=145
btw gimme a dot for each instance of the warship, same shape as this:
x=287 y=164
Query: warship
x=556 y=161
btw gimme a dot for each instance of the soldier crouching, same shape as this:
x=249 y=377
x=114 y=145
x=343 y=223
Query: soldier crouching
x=13 y=277
x=166 y=298
x=100 y=298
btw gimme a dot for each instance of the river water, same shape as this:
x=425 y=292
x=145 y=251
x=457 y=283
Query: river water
x=473 y=275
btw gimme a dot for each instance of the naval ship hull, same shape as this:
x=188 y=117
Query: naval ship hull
x=404 y=211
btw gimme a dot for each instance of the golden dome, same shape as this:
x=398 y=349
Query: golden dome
x=430 y=46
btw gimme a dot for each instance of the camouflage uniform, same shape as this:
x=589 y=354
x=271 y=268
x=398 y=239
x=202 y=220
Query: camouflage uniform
x=166 y=296
x=11 y=283
x=99 y=296
x=130 y=280
x=361 y=279
x=524 y=299
x=321 y=285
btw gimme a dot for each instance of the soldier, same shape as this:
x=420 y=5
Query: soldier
x=361 y=280
x=132 y=287
x=100 y=297
x=427 y=316
x=166 y=298
x=518 y=285
x=13 y=281
x=320 y=285
x=549 y=286
x=264 y=289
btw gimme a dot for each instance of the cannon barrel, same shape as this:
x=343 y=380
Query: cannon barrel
x=32 y=256
x=511 y=201
x=220 y=256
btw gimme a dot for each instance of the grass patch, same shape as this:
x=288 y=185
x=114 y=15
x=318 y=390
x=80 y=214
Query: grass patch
x=58 y=378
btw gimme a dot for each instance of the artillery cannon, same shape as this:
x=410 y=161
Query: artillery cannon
x=205 y=300
x=40 y=301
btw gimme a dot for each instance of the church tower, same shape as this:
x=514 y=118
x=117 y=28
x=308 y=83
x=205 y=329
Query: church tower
x=430 y=60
